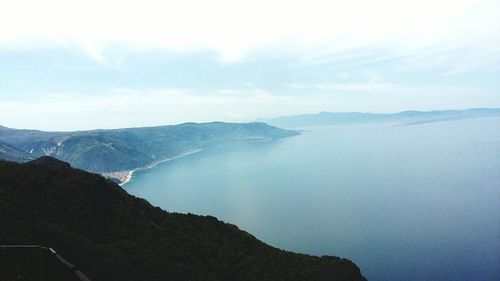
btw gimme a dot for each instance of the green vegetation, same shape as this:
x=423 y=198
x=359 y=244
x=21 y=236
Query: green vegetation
x=127 y=149
x=12 y=153
x=112 y=235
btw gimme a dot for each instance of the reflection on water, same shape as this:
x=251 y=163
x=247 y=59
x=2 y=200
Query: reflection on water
x=414 y=202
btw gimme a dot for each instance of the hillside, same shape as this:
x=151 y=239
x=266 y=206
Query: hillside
x=12 y=153
x=404 y=117
x=112 y=235
x=105 y=151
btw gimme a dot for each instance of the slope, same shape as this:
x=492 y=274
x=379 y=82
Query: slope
x=117 y=150
x=112 y=235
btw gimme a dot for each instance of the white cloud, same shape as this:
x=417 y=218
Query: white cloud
x=234 y=29
x=351 y=37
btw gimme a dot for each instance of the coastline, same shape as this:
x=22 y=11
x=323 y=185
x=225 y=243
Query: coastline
x=123 y=177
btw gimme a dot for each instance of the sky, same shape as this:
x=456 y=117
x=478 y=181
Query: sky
x=72 y=65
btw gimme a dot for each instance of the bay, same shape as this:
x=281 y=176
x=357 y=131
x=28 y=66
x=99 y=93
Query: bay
x=417 y=202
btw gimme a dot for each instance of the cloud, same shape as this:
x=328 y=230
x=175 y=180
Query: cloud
x=237 y=29
x=303 y=57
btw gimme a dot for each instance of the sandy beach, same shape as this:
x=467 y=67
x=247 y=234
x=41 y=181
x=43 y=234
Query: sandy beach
x=123 y=177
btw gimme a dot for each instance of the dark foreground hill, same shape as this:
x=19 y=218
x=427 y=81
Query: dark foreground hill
x=112 y=235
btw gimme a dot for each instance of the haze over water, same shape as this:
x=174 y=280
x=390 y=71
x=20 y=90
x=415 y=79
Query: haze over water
x=417 y=202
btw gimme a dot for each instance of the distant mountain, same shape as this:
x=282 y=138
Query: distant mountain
x=111 y=235
x=405 y=117
x=117 y=150
x=12 y=153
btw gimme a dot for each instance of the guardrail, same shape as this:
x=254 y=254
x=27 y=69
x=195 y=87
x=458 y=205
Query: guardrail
x=50 y=265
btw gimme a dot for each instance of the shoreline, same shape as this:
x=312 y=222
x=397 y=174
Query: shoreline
x=123 y=177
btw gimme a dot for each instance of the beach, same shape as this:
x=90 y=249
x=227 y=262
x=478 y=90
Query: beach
x=123 y=177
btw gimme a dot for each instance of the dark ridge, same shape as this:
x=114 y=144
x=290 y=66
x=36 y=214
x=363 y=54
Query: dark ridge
x=112 y=235
x=49 y=162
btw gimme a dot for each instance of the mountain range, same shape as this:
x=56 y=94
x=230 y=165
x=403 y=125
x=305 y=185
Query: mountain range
x=119 y=150
x=404 y=117
x=111 y=235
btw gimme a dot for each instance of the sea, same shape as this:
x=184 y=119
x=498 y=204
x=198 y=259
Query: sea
x=404 y=202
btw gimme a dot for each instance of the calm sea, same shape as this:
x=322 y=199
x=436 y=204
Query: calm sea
x=419 y=202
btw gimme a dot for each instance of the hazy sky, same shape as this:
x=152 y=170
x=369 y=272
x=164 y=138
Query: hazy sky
x=68 y=65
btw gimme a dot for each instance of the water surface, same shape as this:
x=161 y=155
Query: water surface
x=419 y=202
